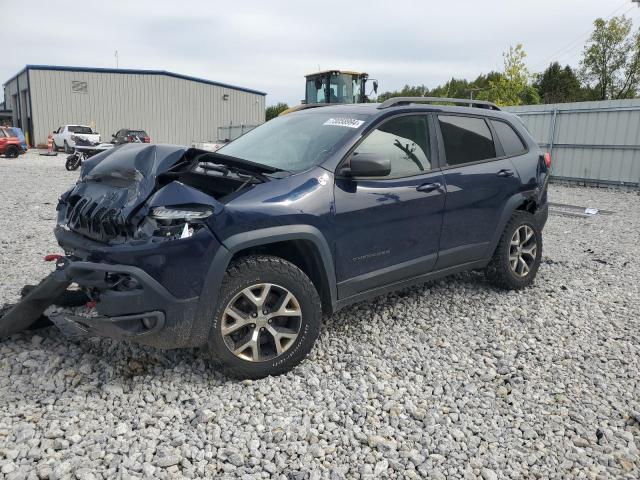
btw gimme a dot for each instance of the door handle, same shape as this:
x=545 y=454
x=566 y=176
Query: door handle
x=429 y=187
x=505 y=172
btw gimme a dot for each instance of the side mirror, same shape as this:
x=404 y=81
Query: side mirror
x=113 y=136
x=375 y=86
x=368 y=165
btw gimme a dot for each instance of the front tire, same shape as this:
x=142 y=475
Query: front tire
x=73 y=162
x=267 y=318
x=517 y=257
x=67 y=149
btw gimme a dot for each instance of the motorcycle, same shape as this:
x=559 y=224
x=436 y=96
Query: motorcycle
x=83 y=150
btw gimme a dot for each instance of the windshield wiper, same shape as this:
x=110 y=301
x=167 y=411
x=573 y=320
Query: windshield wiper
x=243 y=174
x=247 y=163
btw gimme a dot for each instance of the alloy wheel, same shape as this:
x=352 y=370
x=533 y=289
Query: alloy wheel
x=261 y=322
x=523 y=249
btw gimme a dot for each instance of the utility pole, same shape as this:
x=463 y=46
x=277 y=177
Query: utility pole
x=116 y=55
x=475 y=89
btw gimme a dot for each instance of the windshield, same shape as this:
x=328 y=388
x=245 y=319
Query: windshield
x=295 y=142
x=343 y=88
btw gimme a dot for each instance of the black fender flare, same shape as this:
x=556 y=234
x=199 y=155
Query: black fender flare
x=254 y=238
x=510 y=206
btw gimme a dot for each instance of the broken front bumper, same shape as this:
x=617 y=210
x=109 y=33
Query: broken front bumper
x=143 y=310
x=148 y=293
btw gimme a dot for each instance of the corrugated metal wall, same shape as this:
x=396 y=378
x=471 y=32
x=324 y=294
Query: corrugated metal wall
x=18 y=103
x=171 y=110
x=593 y=142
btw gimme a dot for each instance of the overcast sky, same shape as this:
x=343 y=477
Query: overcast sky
x=270 y=45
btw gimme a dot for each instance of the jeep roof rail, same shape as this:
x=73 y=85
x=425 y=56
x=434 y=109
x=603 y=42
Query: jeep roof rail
x=392 y=102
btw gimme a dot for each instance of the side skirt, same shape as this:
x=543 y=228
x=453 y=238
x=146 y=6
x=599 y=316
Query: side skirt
x=408 y=282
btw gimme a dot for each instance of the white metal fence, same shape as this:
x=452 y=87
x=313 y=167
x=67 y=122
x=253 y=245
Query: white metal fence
x=589 y=142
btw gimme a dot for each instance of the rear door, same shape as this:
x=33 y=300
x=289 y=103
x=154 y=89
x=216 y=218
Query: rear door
x=479 y=179
x=388 y=228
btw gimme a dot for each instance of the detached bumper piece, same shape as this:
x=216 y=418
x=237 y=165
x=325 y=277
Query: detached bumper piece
x=130 y=304
x=28 y=311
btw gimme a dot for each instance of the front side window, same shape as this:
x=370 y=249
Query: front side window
x=404 y=141
x=315 y=91
x=509 y=139
x=297 y=141
x=2 y=133
x=466 y=139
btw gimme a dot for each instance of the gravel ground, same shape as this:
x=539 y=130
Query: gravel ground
x=455 y=379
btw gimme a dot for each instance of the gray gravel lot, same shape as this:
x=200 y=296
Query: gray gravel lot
x=454 y=379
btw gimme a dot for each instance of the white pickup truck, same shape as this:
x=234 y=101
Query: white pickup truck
x=63 y=137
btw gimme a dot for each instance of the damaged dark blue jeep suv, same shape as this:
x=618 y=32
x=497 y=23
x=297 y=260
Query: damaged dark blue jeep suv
x=242 y=250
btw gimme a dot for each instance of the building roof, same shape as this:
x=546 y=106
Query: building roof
x=134 y=72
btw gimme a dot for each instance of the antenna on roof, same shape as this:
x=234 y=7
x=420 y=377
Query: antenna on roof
x=116 y=55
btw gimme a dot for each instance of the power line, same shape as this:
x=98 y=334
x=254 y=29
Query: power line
x=574 y=42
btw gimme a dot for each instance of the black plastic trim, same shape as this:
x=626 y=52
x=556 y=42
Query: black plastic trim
x=408 y=282
x=384 y=276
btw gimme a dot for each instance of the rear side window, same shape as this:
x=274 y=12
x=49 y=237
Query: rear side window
x=404 y=141
x=80 y=129
x=511 y=142
x=466 y=139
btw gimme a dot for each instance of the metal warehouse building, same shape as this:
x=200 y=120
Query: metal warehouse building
x=172 y=108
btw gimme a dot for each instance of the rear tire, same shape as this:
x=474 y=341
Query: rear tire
x=54 y=147
x=516 y=260
x=248 y=339
x=12 y=152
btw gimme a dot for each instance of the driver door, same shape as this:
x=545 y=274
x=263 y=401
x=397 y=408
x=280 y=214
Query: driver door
x=388 y=228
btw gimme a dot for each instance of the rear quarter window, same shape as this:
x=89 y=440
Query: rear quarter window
x=511 y=142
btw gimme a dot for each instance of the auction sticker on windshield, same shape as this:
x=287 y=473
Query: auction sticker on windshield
x=344 y=122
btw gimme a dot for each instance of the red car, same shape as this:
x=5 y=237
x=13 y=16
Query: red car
x=10 y=145
x=126 y=135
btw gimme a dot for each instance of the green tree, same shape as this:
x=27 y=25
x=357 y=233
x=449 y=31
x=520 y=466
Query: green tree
x=274 y=110
x=406 y=91
x=512 y=86
x=610 y=63
x=559 y=85
x=455 y=88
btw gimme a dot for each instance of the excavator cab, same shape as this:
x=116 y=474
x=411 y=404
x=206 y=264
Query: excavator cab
x=336 y=86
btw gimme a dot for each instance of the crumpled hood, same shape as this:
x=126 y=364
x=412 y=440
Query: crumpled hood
x=113 y=185
x=127 y=174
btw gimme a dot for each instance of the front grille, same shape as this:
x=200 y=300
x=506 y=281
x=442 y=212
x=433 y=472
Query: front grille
x=98 y=220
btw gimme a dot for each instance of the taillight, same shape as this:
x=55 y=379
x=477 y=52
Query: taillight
x=547 y=160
